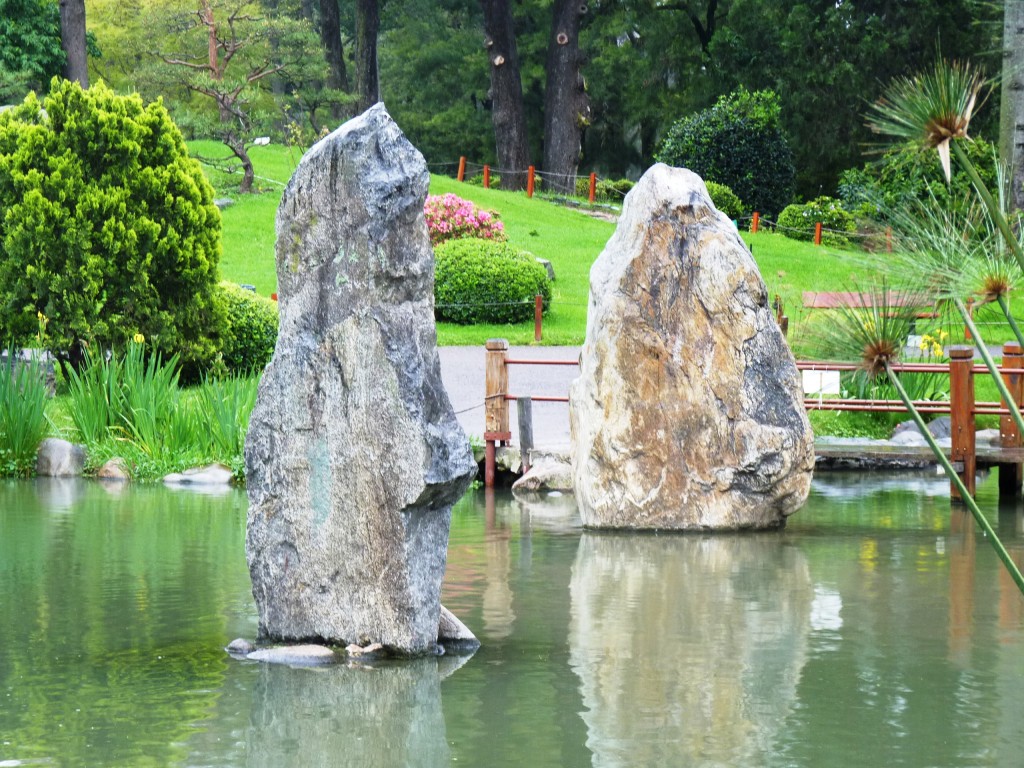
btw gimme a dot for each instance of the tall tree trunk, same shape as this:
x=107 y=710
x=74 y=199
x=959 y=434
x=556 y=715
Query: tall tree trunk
x=367 y=76
x=330 y=36
x=72 y=40
x=566 y=107
x=507 y=111
x=1011 y=114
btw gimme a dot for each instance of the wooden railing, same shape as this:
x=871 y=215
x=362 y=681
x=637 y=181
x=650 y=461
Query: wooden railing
x=961 y=407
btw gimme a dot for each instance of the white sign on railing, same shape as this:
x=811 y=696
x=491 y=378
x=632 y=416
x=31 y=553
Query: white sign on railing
x=821 y=382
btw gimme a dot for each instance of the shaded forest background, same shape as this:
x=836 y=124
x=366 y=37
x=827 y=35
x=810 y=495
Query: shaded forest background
x=599 y=81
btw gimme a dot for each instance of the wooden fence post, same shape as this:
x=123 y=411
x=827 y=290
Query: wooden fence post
x=524 y=410
x=888 y=239
x=462 y=168
x=529 y=181
x=592 y=194
x=1012 y=474
x=755 y=221
x=817 y=233
x=496 y=426
x=538 y=316
x=487 y=177
x=961 y=417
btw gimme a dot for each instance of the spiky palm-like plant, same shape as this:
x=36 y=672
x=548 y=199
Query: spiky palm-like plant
x=874 y=337
x=935 y=109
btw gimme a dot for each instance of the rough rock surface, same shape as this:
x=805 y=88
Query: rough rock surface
x=547 y=473
x=114 y=470
x=688 y=410
x=354 y=456
x=453 y=634
x=59 y=458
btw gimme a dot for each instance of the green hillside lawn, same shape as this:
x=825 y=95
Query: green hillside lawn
x=570 y=239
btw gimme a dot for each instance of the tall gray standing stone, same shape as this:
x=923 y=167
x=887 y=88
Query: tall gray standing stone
x=688 y=412
x=354 y=456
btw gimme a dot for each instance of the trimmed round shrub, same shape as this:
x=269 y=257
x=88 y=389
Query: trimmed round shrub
x=483 y=281
x=449 y=217
x=612 y=190
x=108 y=229
x=797 y=222
x=739 y=143
x=725 y=199
x=250 y=331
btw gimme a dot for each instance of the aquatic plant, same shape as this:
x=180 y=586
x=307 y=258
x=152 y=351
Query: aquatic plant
x=23 y=422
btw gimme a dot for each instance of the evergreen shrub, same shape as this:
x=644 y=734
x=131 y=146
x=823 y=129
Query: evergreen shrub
x=725 y=200
x=108 y=231
x=250 y=330
x=737 y=142
x=483 y=281
x=611 y=190
x=797 y=221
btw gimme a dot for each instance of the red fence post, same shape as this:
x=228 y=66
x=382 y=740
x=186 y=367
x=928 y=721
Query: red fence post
x=462 y=168
x=496 y=425
x=817 y=233
x=538 y=316
x=961 y=416
x=487 y=177
x=529 y=182
x=1011 y=474
x=755 y=221
x=592 y=194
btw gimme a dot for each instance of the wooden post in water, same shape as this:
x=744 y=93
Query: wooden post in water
x=524 y=409
x=496 y=426
x=1011 y=474
x=961 y=417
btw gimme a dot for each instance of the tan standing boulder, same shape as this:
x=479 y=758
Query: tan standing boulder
x=688 y=410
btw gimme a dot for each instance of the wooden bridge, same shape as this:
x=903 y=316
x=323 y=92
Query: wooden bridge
x=962 y=407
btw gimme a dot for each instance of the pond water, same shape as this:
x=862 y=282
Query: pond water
x=877 y=629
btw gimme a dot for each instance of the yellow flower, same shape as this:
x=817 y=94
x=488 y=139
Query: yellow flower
x=138 y=338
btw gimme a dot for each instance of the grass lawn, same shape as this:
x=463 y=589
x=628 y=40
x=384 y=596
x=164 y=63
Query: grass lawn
x=571 y=240
x=568 y=238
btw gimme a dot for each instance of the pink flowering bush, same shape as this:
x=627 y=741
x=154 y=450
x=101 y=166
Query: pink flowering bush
x=449 y=217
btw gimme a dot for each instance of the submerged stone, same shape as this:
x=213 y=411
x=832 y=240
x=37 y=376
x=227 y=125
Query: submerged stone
x=354 y=456
x=295 y=655
x=688 y=412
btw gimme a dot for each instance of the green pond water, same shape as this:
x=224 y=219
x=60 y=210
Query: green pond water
x=877 y=629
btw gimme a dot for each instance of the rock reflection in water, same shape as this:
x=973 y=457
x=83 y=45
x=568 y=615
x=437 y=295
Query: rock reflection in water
x=358 y=715
x=687 y=645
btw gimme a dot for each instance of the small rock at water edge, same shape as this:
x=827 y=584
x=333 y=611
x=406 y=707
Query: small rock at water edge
x=59 y=458
x=295 y=655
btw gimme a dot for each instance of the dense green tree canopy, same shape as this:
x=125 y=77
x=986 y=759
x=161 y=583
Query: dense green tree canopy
x=737 y=142
x=30 y=52
x=645 y=64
